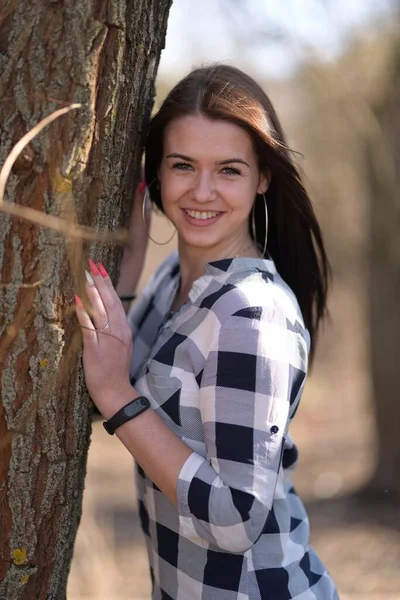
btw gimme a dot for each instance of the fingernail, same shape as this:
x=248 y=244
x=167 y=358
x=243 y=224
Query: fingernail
x=78 y=301
x=102 y=270
x=94 y=270
x=142 y=186
x=89 y=278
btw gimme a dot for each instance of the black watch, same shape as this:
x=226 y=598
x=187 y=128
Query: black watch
x=126 y=413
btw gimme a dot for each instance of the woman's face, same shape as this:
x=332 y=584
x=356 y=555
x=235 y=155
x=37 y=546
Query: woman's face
x=209 y=178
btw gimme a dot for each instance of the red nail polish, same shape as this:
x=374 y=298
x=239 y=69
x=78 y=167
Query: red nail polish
x=142 y=186
x=78 y=301
x=93 y=267
x=102 y=270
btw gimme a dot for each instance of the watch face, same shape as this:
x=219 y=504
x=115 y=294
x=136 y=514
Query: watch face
x=135 y=406
x=130 y=410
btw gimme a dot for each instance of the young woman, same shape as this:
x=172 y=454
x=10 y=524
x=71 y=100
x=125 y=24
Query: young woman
x=221 y=339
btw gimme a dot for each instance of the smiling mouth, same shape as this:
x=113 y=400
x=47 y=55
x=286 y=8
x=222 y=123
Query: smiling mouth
x=195 y=214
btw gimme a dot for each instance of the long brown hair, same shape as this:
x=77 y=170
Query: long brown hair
x=294 y=237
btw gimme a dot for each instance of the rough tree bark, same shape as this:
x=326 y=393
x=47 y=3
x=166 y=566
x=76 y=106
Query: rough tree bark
x=104 y=55
x=383 y=169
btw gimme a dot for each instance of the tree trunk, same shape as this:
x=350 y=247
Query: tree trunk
x=383 y=169
x=103 y=55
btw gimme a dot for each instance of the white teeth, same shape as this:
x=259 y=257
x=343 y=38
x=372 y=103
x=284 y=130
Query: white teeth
x=201 y=215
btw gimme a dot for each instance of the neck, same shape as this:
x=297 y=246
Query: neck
x=192 y=259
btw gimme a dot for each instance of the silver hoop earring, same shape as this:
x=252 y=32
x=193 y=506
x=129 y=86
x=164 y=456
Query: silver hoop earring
x=146 y=197
x=253 y=223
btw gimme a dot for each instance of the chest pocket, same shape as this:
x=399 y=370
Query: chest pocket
x=166 y=392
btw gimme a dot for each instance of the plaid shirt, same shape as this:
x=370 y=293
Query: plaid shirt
x=225 y=373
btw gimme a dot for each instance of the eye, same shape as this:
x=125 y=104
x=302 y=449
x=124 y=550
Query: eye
x=231 y=171
x=181 y=166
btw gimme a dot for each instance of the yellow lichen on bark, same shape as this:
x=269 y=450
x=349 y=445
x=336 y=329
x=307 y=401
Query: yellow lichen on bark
x=19 y=556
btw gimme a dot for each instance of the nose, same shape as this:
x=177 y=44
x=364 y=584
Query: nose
x=203 y=189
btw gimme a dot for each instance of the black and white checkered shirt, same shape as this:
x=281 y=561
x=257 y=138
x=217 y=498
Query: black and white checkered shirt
x=225 y=373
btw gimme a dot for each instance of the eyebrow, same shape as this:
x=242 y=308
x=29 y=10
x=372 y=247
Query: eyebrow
x=220 y=162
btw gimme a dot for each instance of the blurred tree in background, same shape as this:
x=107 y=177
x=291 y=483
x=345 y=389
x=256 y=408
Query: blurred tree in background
x=350 y=129
x=82 y=168
x=382 y=171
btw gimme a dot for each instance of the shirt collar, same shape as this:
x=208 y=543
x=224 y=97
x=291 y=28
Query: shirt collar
x=230 y=265
x=219 y=268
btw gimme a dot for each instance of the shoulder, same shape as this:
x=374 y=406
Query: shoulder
x=250 y=288
x=252 y=304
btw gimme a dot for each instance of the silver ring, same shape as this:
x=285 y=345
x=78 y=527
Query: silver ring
x=106 y=326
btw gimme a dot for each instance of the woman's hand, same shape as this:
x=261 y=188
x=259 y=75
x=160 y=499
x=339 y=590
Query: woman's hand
x=106 y=354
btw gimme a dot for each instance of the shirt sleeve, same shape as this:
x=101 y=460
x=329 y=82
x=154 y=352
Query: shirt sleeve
x=254 y=373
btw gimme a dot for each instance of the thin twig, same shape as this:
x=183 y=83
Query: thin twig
x=37 y=217
x=38 y=96
x=23 y=285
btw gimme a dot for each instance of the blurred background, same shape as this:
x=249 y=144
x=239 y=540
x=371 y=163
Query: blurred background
x=332 y=71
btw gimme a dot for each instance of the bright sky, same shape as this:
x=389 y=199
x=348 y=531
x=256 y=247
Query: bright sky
x=240 y=31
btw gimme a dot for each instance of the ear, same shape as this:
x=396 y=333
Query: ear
x=265 y=180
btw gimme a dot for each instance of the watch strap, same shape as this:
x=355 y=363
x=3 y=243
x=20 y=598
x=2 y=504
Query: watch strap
x=126 y=413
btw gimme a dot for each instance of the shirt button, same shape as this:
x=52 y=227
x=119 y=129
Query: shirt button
x=274 y=429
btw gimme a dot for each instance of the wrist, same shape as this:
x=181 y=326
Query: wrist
x=131 y=410
x=124 y=289
x=111 y=401
x=126 y=295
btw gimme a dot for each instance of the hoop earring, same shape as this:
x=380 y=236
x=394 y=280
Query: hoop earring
x=253 y=223
x=146 y=196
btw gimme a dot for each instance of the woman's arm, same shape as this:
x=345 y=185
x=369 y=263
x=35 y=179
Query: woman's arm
x=134 y=252
x=159 y=452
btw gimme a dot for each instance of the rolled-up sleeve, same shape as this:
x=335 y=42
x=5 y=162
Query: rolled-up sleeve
x=254 y=372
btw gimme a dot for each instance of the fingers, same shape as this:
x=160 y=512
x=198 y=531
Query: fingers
x=98 y=312
x=105 y=307
x=105 y=302
x=88 y=332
